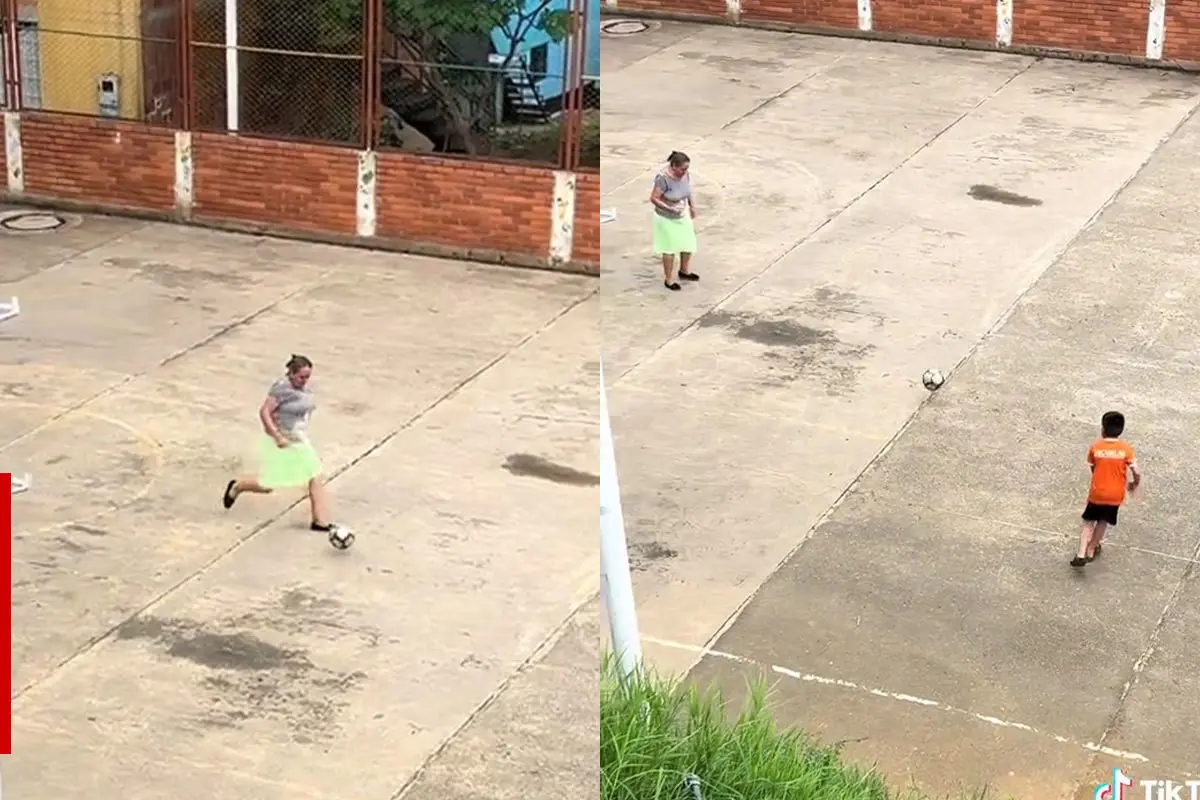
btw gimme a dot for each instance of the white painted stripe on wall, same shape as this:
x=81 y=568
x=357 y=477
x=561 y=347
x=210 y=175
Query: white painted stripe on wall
x=14 y=156
x=1004 y=22
x=185 y=191
x=733 y=10
x=366 y=214
x=1156 y=29
x=864 y=15
x=562 y=220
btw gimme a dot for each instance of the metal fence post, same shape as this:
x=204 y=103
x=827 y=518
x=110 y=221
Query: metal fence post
x=372 y=19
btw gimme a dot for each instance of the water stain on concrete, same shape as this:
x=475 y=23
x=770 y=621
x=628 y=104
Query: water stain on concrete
x=793 y=350
x=254 y=680
x=992 y=194
x=172 y=277
x=524 y=465
x=302 y=601
x=643 y=554
x=220 y=651
x=234 y=651
x=735 y=64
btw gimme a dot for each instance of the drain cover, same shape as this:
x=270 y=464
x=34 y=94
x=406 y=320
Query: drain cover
x=624 y=27
x=31 y=221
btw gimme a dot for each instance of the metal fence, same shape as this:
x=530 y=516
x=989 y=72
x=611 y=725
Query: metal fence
x=494 y=79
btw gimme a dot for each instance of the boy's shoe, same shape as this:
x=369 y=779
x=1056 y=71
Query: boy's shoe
x=1077 y=561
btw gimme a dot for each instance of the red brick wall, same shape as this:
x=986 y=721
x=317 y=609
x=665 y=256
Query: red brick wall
x=280 y=184
x=973 y=20
x=816 y=13
x=1183 y=30
x=1110 y=28
x=465 y=204
x=1095 y=26
x=480 y=209
x=587 y=217
x=87 y=160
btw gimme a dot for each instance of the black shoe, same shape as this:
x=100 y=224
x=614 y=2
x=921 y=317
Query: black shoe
x=320 y=527
x=1078 y=561
x=674 y=287
x=689 y=276
x=230 y=495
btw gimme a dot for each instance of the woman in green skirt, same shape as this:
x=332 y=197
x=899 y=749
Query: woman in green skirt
x=288 y=458
x=674 y=215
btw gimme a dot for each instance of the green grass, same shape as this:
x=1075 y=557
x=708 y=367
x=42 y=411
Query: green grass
x=655 y=732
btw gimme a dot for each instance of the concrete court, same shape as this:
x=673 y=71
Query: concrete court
x=867 y=211
x=167 y=650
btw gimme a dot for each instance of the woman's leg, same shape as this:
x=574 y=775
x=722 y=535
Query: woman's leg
x=318 y=500
x=251 y=485
x=668 y=261
x=238 y=485
x=684 y=260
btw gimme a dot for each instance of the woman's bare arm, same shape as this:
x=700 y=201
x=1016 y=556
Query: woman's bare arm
x=266 y=415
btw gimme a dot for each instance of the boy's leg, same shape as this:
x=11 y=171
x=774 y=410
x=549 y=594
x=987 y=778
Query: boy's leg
x=1085 y=541
x=1097 y=535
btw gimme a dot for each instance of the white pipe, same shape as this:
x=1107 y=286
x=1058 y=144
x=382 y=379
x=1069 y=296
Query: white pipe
x=232 y=89
x=615 y=577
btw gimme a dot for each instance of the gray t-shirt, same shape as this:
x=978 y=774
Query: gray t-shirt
x=677 y=191
x=295 y=408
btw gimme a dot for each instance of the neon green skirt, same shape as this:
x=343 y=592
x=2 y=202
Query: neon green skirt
x=287 y=467
x=673 y=236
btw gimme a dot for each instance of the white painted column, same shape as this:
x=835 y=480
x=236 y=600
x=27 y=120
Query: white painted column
x=366 y=215
x=1156 y=29
x=733 y=10
x=185 y=174
x=14 y=157
x=1004 y=23
x=864 y=15
x=616 y=579
x=562 y=220
x=233 y=91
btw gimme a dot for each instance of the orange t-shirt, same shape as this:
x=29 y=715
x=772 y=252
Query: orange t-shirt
x=1110 y=460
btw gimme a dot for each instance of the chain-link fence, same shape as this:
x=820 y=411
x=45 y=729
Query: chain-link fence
x=496 y=79
x=287 y=68
x=93 y=58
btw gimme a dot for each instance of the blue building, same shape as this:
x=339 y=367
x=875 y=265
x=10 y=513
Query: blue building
x=538 y=68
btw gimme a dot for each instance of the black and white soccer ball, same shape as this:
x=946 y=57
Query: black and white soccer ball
x=340 y=537
x=933 y=379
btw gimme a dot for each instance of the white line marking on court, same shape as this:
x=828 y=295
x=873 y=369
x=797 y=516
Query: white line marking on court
x=897 y=696
x=1064 y=536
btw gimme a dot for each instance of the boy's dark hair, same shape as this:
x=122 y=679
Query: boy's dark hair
x=1112 y=424
x=297 y=363
x=678 y=159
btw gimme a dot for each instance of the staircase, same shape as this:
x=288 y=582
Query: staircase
x=524 y=104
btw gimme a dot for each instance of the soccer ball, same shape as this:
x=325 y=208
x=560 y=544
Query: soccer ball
x=933 y=379
x=340 y=537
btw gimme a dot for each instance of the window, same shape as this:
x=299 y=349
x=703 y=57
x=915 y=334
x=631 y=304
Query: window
x=539 y=61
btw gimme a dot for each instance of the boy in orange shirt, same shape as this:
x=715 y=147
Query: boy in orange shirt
x=1113 y=468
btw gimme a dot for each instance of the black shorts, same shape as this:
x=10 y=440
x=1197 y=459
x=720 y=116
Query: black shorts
x=1094 y=512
